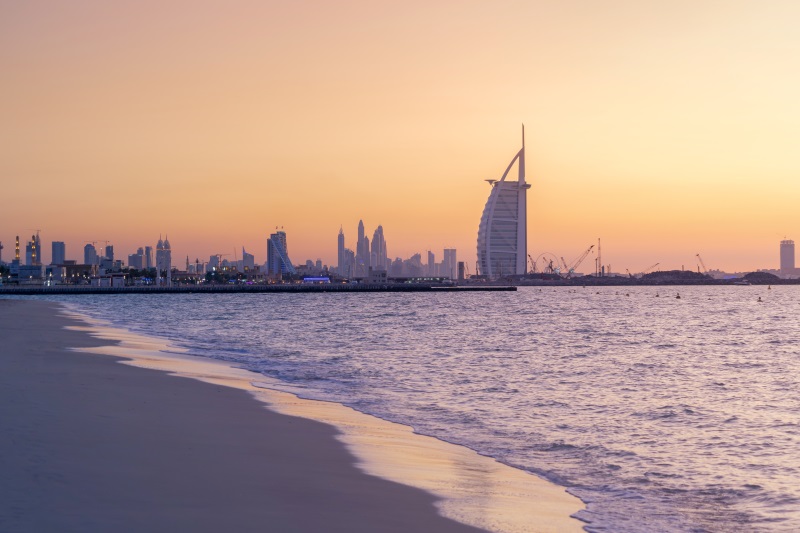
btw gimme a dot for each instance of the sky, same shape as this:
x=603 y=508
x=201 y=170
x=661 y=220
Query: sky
x=666 y=129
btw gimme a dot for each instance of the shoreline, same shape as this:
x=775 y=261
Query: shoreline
x=378 y=450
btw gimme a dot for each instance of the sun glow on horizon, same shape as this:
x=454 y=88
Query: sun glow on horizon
x=666 y=130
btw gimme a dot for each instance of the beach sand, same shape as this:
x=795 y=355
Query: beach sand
x=87 y=444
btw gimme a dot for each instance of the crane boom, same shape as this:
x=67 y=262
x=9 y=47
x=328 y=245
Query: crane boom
x=576 y=263
x=648 y=269
x=532 y=264
x=702 y=264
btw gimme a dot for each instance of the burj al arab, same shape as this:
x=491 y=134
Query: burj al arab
x=503 y=234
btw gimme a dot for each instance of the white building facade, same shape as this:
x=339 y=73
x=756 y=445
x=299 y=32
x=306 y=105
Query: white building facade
x=502 y=234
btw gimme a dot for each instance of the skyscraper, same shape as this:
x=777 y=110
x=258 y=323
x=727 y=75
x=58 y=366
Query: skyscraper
x=89 y=254
x=248 y=261
x=450 y=263
x=110 y=252
x=148 y=257
x=163 y=262
x=379 y=255
x=502 y=234
x=278 y=261
x=135 y=261
x=33 y=251
x=363 y=261
x=59 y=253
x=787 y=257
x=340 y=267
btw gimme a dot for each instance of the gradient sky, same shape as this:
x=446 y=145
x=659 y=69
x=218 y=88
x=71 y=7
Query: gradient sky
x=665 y=128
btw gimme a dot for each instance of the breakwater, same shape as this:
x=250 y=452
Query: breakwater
x=228 y=289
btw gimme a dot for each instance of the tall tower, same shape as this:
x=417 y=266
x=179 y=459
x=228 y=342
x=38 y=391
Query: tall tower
x=33 y=251
x=160 y=262
x=379 y=253
x=450 y=262
x=168 y=260
x=278 y=261
x=362 y=251
x=148 y=257
x=340 y=268
x=59 y=253
x=89 y=254
x=502 y=233
x=787 y=257
x=16 y=251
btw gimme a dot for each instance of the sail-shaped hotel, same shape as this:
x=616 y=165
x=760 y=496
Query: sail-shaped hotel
x=502 y=234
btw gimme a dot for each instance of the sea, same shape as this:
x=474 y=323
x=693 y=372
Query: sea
x=662 y=408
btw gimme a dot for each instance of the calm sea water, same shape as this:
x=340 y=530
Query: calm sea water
x=662 y=414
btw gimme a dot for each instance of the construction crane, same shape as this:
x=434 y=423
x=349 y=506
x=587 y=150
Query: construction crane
x=577 y=262
x=94 y=243
x=629 y=273
x=531 y=264
x=648 y=269
x=705 y=270
x=551 y=262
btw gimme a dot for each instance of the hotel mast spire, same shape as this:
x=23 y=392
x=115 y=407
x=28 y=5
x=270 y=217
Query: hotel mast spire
x=522 y=159
x=502 y=234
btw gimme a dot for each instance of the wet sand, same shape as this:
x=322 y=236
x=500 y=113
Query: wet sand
x=87 y=444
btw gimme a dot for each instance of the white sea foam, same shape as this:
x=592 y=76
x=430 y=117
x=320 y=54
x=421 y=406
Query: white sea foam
x=664 y=414
x=470 y=488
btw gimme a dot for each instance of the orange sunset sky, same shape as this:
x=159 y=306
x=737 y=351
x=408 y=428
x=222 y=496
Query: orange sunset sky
x=665 y=128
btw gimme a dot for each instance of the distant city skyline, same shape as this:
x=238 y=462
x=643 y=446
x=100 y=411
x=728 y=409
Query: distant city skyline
x=143 y=257
x=665 y=129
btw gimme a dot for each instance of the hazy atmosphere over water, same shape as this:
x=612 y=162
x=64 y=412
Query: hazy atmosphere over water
x=662 y=414
x=665 y=128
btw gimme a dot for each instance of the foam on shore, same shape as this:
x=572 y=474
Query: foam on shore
x=470 y=488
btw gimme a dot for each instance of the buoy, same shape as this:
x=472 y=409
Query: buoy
x=678 y=296
x=759 y=298
x=769 y=288
x=656 y=295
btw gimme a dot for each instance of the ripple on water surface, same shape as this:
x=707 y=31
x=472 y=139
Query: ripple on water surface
x=661 y=414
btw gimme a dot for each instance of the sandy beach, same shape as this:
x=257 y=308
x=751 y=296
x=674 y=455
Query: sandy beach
x=88 y=444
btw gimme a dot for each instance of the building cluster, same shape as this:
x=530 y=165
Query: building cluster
x=151 y=265
x=370 y=260
x=99 y=266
